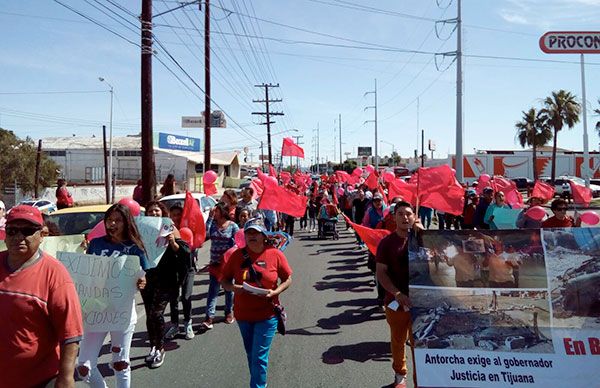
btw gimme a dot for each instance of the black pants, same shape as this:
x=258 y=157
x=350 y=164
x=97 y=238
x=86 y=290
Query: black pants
x=186 y=299
x=289 y=225
x=155 y=297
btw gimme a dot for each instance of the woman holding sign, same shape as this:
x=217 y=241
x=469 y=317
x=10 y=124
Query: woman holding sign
x=256 y=271
x=162 y=282
x=122 y=238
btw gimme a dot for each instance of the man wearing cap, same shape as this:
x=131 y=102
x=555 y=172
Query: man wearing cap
x=42 y=322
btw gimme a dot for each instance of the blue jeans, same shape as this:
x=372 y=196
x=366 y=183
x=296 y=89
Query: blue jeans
x=211 y=300
x=258 y=337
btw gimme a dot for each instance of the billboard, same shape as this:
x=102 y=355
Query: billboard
x=365 y=151
x=570 y=42
x=168 y=141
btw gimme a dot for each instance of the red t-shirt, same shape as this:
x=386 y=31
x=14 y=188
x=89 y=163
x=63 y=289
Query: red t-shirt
x=393 y=252
x=40 y=310
x=272 y=265
x=554 y=222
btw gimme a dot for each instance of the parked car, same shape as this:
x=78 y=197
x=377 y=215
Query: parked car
x=45 y=206
x=205 y=202
x=595 y=188
x=562 y=188
x=75 y=220
x=523 y=183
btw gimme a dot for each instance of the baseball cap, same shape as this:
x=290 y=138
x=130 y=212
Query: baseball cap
x=377 y=195
x=255 y=223
x=26 y=213
x=2 y=206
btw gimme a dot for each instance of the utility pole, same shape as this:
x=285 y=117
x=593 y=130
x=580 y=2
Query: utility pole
x=422 y=148
x=375 y=122
x=148 y=172
x=207 y=86
x=418 y=102
x=262 y=156
x=318 y=146
x=340 y=125
x=459 y=96
x=297 y=158
x=38 y=158
x=268 y=114
x=107 y=177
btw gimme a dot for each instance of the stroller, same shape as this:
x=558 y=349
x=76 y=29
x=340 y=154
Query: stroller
x=328 y=222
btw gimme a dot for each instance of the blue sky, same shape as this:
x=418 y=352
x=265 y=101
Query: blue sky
x=48 y=48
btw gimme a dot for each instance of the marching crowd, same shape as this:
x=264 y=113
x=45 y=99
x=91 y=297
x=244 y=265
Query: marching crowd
x=44 y=339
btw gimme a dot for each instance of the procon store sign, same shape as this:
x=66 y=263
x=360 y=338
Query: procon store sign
x=570 y=42
x=175 y=142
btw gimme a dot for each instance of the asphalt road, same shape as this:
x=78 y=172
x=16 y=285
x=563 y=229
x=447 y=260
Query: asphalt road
x=337 y=336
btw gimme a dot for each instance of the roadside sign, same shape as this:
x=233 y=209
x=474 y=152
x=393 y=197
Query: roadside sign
x=431 y=145
x=570 y=42
x=217 y=120
x=176 y=142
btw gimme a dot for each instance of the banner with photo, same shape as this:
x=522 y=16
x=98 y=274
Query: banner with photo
x=498 y=308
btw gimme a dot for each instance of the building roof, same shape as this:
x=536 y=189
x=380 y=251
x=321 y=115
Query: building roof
x=132 y=143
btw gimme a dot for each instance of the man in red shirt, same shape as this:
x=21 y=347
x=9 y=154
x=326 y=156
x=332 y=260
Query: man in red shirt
x=560 y=219
x=42 y=324
x=392 y=274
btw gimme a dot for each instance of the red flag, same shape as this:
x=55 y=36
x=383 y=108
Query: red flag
x=581 y=194
x=289 y=148
x=210 y=189
x=382 y=191
x=449 y=200
x=257 y=185
x=371 y=237
x=509 y=188
x=406 y=191
x=272 y=171
x=342 y=176
x=543 y=190
x=286 y=177
x=193 y=219
x=433 y=179
x=371 y=181
x=277 y=198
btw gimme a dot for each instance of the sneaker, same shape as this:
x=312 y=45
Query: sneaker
x=150 y=355
x=189 y=331
x=159 y=359
x=229 y=319
x=208 y=323
x=171 y=331
x=399 y=381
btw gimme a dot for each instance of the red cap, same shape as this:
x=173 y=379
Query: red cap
x=26 y=213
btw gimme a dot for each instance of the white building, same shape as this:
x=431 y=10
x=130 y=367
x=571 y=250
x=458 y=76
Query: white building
x=81 y=160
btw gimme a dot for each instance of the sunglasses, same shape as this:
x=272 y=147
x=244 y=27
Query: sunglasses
x=25 y=231
x=561 y=209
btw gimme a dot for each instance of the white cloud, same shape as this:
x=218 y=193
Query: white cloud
x=545 y=14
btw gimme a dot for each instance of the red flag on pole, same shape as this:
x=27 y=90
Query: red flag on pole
x=543 y=190
x=581 y=194
x=193 y=219
x=278 y=198
x=406 y=191
x=509 y=188
x=371 y=181
x=272 y=171
x=290 y=148
x=371 y=237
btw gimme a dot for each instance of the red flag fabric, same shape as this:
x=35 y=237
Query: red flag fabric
x=272 y=171
x=371 y=237
x=406 y=191
x=210 y=189
x=289 y=148
x=581 y=194
x=342 y=176
x=257 y=185
x=382 y=191
x=449 y=200
x=193 y=219
x=286 y=177
x=278 y=198
x=509 y=188
x=543 y=190
x=433 y=179
x=371 y=181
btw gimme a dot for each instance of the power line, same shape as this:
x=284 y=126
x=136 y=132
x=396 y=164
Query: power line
x=55 y=92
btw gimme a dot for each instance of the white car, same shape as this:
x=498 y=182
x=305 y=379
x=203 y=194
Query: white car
x=205 y=202
x=45 y=206
x=595 y=188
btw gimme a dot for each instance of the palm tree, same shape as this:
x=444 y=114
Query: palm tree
x=533 y=132
x=559 y=109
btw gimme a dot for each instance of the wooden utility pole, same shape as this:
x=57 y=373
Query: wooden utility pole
x=267 y=113
x=107 y=178
x=38 y=158
x=148 y=171
x=207 y=86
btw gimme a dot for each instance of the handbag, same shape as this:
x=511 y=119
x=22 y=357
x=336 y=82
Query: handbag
x=278 y=309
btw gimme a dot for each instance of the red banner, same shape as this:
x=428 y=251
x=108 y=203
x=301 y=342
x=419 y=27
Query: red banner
x=289 y=148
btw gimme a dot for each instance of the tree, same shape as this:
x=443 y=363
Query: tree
x=348 y=166
x=559 y=109
x=18 y=163
x=597 y=111
x=533 y=132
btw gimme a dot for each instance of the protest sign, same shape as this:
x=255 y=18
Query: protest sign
x=54 y=244
x=106 y=288
x=499 y=308
x=153 y=231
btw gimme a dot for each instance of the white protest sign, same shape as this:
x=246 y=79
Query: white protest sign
x=153 y=231
x=106 y=287
x=54 y=244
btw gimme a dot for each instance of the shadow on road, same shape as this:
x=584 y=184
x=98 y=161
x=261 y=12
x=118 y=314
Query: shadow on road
x=347 y=276
x=362 y=302
x=350 y=317
x=342 y=286
x=361 y=352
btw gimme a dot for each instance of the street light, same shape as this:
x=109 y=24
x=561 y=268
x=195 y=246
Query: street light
x=111 y=185
x=387 y=142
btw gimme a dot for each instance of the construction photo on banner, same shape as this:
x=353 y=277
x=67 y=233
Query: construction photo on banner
x=498 y=308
